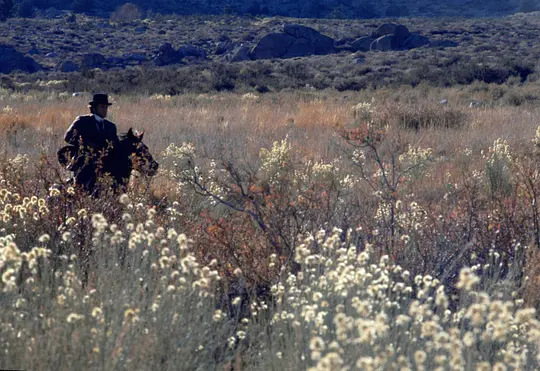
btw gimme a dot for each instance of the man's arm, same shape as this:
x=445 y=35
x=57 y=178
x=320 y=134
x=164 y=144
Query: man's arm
x=72 y=135
x=112 y=134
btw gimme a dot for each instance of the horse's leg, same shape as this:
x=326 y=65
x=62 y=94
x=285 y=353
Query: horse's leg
x=86 y=177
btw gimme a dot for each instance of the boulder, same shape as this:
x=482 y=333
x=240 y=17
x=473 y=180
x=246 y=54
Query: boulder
x=299 y=48
x=93 y=60
x=343 y=42
x=68 y=66
x=384 y=43
x=384 y=29
x=273 y=45
x=322 y=44
x=116 y=61
x=192 y=51
x=415 y=41
x=294 y=41
x=391 y=36
x=362 y=44
x=167 y=55
x=224 y=47
x=239 y=54
x=134 y=57
x=11 y=60
x=400 y=31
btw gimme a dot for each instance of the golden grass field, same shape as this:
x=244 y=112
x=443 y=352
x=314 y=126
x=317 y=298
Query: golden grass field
x=301 y=230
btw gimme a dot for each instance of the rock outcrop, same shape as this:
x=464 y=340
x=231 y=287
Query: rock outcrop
x=272 y=45
x=93 y=60
x=12 y=60
x=294 y=41
x=239 y=54
x=167 y=55
x=391 y=36
x=362 y=44
x=191 y=51
x=68 y=66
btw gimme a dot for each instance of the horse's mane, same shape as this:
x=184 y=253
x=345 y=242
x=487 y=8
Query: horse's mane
x=124 y=136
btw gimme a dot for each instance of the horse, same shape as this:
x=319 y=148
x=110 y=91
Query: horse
x=129 y=154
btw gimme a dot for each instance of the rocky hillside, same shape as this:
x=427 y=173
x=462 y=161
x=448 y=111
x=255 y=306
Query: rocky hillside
x=297 y=8
x=202 y=53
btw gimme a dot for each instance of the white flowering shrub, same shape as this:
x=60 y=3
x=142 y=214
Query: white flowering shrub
x=416 y=161
x=498 y=167
x=348 y=310
x=139 y=298
x=143 y=298
x=276 y=162
x=363 y=111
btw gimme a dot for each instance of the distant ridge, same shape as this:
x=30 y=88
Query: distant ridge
x=304 y=8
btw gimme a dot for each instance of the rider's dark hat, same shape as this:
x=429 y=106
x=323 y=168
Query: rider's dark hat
x=100 y=99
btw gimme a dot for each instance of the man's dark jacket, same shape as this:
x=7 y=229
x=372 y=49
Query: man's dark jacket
x=85 y=130
x=86 y=146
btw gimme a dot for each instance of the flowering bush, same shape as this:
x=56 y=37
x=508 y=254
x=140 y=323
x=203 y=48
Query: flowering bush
x=498 y=163
x=381 y=254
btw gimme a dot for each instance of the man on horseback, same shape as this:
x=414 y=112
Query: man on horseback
x=92 y=138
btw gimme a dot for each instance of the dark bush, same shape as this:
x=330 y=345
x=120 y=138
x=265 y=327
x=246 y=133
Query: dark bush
x=82 y=6
x=224 y=77
x=350 y=84
x=6 y=9
x=521 y=69
x=467 y=73
x=25 y=9
x=366 y=10
x=517 y=99
x=396 y=10
x=423 y=117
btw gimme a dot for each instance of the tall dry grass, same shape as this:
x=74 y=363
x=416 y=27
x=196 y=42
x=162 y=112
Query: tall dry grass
x=228 y=120
x=294 y=230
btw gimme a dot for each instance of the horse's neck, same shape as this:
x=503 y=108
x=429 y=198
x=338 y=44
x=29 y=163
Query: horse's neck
x=125 y=152
x=119 y=162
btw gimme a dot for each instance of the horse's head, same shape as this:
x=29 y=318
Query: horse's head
x=140 y=156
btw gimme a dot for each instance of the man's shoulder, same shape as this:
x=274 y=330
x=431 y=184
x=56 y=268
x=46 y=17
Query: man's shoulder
x=84 y=118
x=110 y=123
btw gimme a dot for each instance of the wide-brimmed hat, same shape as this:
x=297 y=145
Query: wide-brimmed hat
x=100 y=99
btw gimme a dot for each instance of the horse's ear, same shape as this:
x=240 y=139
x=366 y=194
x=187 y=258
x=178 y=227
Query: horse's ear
x=140 y=136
